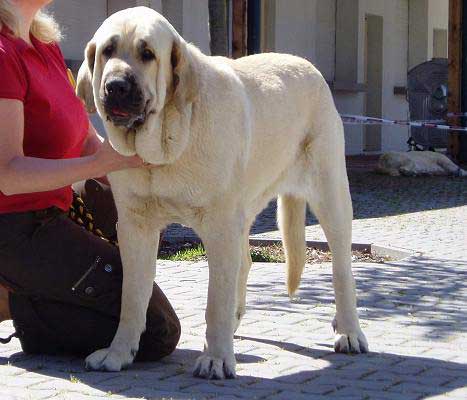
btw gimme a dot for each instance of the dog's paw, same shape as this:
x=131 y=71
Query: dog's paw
x=208 y=367
x=352 y=342
x=109 y=360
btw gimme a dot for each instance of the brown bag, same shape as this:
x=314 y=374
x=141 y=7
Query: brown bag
x=94 y=208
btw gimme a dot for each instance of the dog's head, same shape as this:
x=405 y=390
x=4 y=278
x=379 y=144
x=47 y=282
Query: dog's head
x=141 y=74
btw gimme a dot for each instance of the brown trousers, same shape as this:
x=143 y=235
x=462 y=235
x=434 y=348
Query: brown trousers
x=66 y=288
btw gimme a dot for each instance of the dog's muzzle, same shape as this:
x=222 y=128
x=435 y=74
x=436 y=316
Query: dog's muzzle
x=124 y=102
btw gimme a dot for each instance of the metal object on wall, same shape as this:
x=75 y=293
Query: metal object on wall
x=427 y=93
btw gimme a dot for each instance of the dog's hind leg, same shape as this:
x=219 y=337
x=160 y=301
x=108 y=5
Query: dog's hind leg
x=329 y=199
x=447 y=165
x=222 y=233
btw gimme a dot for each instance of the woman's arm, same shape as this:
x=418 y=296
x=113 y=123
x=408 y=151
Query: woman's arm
x=22 y=174
x=93 y=142
x=91 y=145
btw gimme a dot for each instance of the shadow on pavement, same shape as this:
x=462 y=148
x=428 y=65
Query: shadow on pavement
x=426 y=294
x=368 y=376
x=420 y=297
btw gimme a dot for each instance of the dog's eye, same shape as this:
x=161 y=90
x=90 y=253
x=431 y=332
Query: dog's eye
x=108 y=51
x=147 y=55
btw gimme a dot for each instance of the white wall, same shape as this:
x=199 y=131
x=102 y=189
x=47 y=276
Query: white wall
x=307 y=28
x=296 y=28
x=196 y=24
x=79 y=20
x=351 y=103
x=191 y=20
x=438 y=18
x=325 y=38
x=395 y=64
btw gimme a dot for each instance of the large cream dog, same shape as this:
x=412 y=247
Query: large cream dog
x=221 y=138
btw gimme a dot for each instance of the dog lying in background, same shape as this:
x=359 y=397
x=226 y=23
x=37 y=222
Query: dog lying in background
x=414 y=163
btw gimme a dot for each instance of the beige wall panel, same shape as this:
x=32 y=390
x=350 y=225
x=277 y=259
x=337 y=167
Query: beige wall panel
x=79 y=20
x=296 y=27
x=440 y=43
x=438 y=19
x=395 y=64
x=325 y=44
x=196 y=24
x=418 y=32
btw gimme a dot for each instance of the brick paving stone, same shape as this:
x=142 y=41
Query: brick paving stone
x=78 y=396
x=300 y=396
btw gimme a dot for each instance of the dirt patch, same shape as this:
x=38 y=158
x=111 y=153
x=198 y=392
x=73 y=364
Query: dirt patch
x=273 y=253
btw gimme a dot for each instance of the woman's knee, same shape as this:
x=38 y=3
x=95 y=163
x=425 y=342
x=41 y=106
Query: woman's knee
x=163 y=329
x=159 y=341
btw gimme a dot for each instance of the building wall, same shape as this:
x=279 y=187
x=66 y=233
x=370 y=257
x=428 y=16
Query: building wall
x=426 y=16
x=438 y=18
x=325 y=43
x=79 y=20
x=306 y=28
x=395 y=64
x=196 y=24
x=418 y=32
x=313 y=29
x=330 y=33
x=295 y=27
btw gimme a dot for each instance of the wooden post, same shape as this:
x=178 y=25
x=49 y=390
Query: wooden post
x=239 y=28
x=455 y=70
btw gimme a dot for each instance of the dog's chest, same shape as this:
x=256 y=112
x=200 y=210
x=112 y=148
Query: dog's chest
x=174 y=192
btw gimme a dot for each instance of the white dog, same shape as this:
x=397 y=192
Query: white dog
x=415 y=163
x=222 y=138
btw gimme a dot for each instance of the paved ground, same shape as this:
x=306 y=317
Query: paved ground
x=413 y=312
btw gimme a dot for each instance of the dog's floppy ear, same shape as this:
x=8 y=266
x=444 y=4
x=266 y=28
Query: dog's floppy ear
x=90 y=55
x=184 y=78
x=84 y=81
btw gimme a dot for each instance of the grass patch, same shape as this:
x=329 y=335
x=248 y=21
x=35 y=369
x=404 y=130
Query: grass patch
x=195 y=253
x=273 y=253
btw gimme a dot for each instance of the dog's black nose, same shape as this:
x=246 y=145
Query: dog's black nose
x=118 y=87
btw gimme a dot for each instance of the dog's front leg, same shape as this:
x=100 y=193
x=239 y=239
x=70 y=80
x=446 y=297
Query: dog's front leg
x=138 y=241
x=222 y=239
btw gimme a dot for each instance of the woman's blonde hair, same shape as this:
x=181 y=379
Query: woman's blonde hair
x=43 y=27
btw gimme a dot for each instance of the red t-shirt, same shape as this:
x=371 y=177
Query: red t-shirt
x=55 y=122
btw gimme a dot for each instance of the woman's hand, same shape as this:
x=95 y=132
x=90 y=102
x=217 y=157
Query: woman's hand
x=23 y=174
x=110 y=160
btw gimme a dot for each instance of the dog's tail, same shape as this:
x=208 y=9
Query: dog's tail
x=291 y=221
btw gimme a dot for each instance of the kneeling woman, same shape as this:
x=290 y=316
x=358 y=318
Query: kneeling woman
x=60 y=284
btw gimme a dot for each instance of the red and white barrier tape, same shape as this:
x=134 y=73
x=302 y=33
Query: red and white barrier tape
x=458 y=115
x=362 y=120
